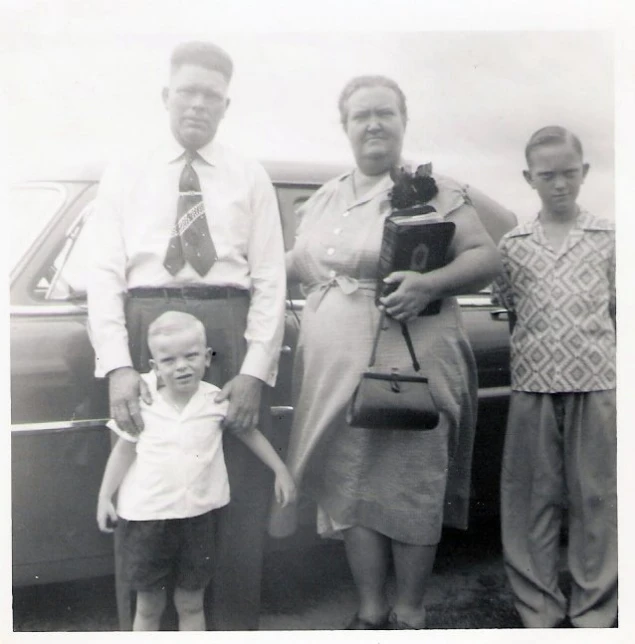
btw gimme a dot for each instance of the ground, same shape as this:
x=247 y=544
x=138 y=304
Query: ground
x=309 y=588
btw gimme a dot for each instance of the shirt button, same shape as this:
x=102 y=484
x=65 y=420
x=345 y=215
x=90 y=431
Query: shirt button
x=337 y=231
x=346 y=214
x=332 y=274
x=330 y=251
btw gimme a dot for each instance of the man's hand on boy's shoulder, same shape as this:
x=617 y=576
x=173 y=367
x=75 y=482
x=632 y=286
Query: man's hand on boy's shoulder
x=126 y=386
x=244 y=393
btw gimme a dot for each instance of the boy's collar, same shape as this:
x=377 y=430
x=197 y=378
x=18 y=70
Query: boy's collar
x=155 y=386
x=583 y=221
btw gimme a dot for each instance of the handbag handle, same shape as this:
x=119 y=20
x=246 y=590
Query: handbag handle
x=406 y=334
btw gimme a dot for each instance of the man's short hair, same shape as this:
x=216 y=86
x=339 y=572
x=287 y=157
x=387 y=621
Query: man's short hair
x=172 y=322
x=360 y=82
x=551 y=135
x=204 y=54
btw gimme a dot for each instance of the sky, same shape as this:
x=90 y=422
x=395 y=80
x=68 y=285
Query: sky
x=85 y=87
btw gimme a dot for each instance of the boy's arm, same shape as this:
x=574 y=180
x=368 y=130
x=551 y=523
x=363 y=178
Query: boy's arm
x=502 y=292
x=262 y=448
x=119 y=462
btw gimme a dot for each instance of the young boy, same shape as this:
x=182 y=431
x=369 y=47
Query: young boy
x=558 y=282
x=172 y=478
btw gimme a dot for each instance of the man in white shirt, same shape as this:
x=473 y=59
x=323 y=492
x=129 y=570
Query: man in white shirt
x=192 y=226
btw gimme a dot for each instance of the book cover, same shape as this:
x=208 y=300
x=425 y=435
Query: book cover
x=417 y=242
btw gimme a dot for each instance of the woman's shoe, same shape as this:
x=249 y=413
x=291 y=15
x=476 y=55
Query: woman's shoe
x=395 y=624
x=360 y=624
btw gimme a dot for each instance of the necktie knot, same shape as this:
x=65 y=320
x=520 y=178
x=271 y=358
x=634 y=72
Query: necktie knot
x=189 y=181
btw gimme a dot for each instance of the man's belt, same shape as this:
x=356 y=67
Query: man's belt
x=188 y=292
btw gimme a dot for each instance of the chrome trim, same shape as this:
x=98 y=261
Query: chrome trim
x=45 y=309
x=58 y=425
x=470 y=301
x=60 y=187
x=466 y=301
x=487 y=393
x=281 y=411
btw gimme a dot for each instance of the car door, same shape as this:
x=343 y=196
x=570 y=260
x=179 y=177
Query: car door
x=488 y=329
x=59 y=444
x=291 y=195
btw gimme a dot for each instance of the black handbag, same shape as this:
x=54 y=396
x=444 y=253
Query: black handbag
x=390 y=399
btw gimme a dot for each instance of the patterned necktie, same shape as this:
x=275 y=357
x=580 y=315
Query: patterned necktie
x=190 y=241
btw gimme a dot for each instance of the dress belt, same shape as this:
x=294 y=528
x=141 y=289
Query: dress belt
x=348 y=286
x=188 y=292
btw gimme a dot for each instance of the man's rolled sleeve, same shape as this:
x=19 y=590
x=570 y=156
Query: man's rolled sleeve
x=106 y=284
x=265 y=255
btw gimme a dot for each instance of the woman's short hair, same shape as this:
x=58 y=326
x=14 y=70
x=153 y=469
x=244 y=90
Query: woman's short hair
x=360 y=82
x=205 y=54
x=551 y=135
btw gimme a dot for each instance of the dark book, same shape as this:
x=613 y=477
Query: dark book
x=413 y=242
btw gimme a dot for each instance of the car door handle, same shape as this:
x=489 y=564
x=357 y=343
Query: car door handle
x=500 y=314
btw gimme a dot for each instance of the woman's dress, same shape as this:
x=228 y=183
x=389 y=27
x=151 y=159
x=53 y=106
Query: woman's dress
x=391 y=481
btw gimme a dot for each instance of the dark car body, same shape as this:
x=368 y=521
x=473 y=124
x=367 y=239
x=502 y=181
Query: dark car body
x=59 y=442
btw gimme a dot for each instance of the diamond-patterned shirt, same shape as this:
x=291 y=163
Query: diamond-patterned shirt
x=564 y=301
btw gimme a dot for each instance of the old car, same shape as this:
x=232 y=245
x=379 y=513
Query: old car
x=59 y=442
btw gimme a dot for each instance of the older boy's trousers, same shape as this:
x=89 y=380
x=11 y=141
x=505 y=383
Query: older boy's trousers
x=560 y=452
x=232 y=601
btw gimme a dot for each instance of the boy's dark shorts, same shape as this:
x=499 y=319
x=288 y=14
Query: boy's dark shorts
x=154 y=551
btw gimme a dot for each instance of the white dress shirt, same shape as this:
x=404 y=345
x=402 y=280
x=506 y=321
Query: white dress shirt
x=179 y=470
x=135 y=212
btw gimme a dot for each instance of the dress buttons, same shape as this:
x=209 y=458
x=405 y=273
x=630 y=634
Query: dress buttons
x=332 y=274
x=346 y=214
x=337 y=231
x=330 y=251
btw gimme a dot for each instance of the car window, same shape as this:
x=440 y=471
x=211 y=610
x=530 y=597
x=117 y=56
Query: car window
x=290 y=198
x=65 y=277
x=31 y=207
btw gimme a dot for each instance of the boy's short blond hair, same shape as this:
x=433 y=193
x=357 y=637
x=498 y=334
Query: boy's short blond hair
x=172 y=322
x=550 y=135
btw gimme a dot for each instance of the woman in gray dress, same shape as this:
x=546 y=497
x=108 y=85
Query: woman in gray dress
x=386 y=493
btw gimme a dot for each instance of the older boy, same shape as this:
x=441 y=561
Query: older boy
x=172 y=477
x=558 y=283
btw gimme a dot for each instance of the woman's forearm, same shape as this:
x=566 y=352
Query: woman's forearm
x=471 y=271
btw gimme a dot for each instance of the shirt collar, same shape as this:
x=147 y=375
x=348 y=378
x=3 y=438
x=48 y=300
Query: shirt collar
x=584 y=221
x=385 y=184
x=410 y=166
x=204 y=390
x=171 y=151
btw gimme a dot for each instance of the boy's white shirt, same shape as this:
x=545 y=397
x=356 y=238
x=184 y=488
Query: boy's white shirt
x=180 y=469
